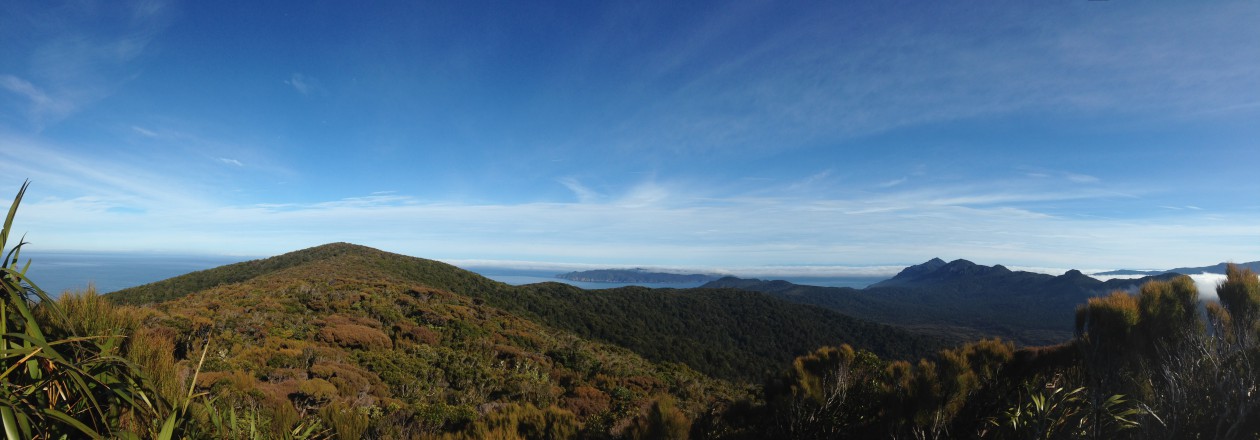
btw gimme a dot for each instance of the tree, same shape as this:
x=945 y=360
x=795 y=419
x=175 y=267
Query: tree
x=1169 y=313
x=1240 y=299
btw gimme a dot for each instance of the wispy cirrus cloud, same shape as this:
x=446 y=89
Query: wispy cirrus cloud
x=1082 y=178
x=583 y=193
x=72 y=61
x=841 y=71
x=145 y=132
x=39 y=104
x=303 y=84
x=892 y=183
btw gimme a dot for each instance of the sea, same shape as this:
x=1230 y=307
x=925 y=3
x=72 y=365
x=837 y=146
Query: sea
x=521 y=276
x=57 y=272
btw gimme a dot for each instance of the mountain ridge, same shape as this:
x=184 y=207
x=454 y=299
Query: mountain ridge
x=962 y=299
x=1218 y=268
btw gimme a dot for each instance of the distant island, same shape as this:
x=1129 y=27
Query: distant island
x=1218 y=268
x=1130 y=272
x=637 y=275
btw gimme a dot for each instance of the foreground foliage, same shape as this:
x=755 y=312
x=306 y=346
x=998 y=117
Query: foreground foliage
x=76 y=368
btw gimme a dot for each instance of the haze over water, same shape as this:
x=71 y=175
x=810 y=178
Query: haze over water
x=56 y=272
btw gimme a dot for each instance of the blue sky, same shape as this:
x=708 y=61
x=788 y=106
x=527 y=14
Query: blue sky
x=1079 y=134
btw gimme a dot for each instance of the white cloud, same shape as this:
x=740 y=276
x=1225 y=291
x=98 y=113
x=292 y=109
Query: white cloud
x=814 y=79
x=1207 y=283
x=740 y=271
x=233 y=162
x=1082 y=178
x=144 y=131
x=744 y=234
x=41 y=104
x=302 y=83
x=83 y=201
x=811 y=181
x=582 y=192
x=643 y=195
x=74 y=60
x=892 y=183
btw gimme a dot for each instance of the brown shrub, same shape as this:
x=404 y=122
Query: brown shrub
x=357 y=320
x=349 y=379
x=355 y=336
x=318 y=390
x=417 y=333
x=152 y=349
x=285 y=374
x=646 y=383
x=586 y=401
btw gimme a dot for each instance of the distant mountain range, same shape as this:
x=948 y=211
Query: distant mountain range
x=1217 y=268
x=959 y=300
x=637 y=275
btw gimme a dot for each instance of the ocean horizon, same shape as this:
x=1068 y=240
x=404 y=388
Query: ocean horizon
x=58 y=272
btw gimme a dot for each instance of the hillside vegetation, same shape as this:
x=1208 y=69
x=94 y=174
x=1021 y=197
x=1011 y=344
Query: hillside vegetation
x=721 y=332
x=433 y=273
x=345 y=339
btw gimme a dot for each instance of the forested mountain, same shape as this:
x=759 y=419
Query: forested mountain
x=436 y=343
x=727 y=333
x=433 y=273
x=387 y=346
x=959 y=300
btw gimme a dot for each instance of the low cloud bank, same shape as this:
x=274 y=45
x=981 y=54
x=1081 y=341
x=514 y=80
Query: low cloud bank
x=810 y=271
x=1205 y=282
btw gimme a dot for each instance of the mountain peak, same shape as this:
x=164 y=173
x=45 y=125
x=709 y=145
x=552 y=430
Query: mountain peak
x=335 y=247
x=937 y=270
x=960 y=263
x=327 y=259
x=918 y=270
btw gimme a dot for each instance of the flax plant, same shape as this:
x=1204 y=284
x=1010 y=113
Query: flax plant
x=73 y=387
